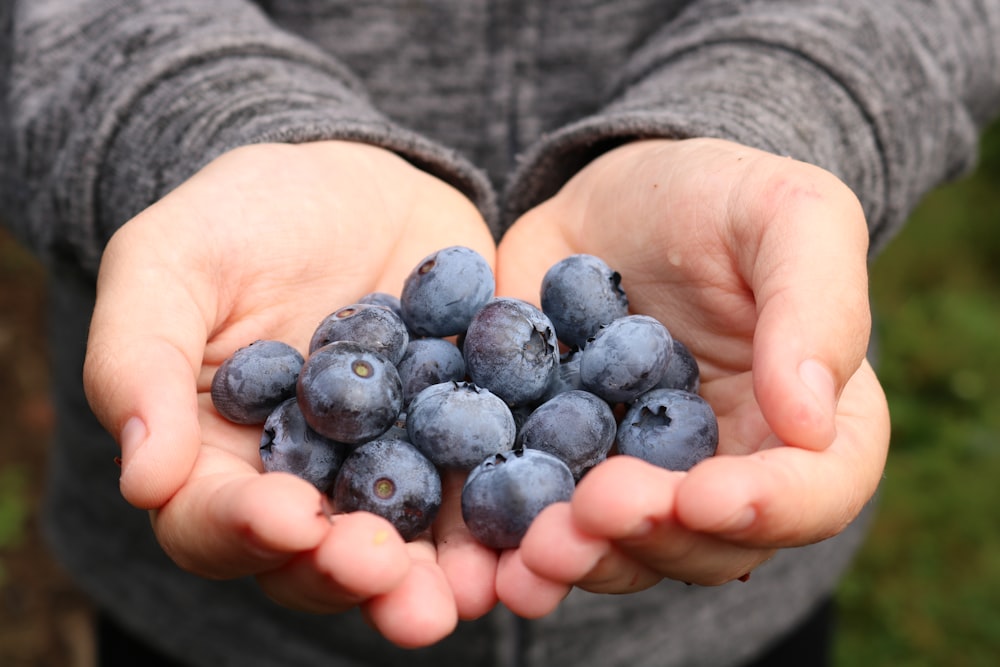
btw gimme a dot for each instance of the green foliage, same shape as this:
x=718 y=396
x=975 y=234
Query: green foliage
x=14 y=510
x=14 y=506
x=925 y=589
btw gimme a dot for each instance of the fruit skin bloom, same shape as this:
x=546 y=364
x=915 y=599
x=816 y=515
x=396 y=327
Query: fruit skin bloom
x=580 y=294
x=288 y=444
x=576 y=426
x=511 y=349
x=670 y=428
x=445 y=290
x=390 y=478
x=458 y=424
x=428 y=361
x=504 y=494
x=349 y=393
x=626 y=358
x=375 y=327
x=255 y=380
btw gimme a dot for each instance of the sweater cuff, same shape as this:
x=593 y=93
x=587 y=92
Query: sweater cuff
x=759 y=95
x=196 y=113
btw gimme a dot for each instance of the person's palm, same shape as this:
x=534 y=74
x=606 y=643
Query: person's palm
x=758 y=264
x=267 y=240
x=262 y=244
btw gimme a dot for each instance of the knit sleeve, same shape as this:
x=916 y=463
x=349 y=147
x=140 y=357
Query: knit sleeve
x=109 y=105
x=890 y=96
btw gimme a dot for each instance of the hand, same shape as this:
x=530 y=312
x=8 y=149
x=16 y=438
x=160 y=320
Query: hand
x=263 y=243
x=758 y=264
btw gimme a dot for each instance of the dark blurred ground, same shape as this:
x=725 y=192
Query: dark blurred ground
x=44 y=621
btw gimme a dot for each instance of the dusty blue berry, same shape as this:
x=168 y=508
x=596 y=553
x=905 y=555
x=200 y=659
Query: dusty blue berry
x=254 y=380
x=349 y=393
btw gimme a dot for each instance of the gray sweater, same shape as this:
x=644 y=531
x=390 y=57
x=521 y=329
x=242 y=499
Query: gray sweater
x=109 y=104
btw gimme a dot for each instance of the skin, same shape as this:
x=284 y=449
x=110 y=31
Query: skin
x=263 y=243
x=757 y=262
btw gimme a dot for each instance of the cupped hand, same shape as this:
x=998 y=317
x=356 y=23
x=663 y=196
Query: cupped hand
x=262 y=244
x=759 y=264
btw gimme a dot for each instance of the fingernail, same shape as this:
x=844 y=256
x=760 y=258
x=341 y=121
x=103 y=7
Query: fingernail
x=132 y=436
x=819 y=380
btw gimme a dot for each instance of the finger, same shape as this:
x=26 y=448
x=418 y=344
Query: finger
x=302 y=585
x=622 y=497
x=361 y=556
x=524 y=592
x=788 y=496
x=155 y=422
x=557 y=551
x=809 y=276
x=230 y=521
x=631 y=503
x=140 y=374
x=669 y=550
x=421 y=610
x=469 y=567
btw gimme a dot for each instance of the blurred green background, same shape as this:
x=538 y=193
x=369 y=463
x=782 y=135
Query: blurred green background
x=925 y=591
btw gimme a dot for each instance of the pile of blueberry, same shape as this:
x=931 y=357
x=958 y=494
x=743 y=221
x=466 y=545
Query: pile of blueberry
x=449 y=376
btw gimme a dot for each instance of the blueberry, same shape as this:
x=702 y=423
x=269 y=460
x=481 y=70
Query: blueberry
x=384 y=299
x=580 y=294
x=567 y=375
x=254 y=380
x=670 y=428
x=457 y=424
x=392 y=479
x=398 y=429
x=445 y=290
x=511 y=349
x=576 y=426
x=625 y=358
x=682 y=370
x=375 y=327
x=428 y=361
x=349 y=393
x=504 y=494
x=521 y=414
x=288 y=444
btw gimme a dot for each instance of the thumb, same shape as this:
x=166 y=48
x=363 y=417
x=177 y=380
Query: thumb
x=527 y=250
x=145 y=344
x=810 y=282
